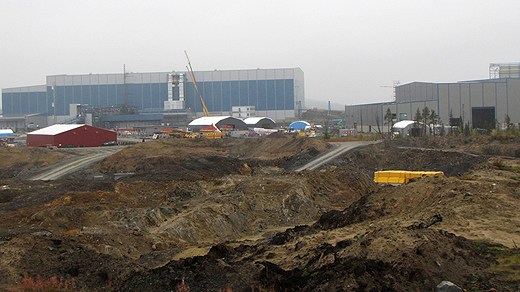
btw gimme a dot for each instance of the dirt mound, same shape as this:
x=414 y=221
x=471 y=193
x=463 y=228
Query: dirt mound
x=378 y=243
x=384 y=157
x=44 y=254
x=202 y=158
x=162 y=168
x=419 y=262
x=230 y=213
x=152 y=221
x=481 y=145
x=388 y=237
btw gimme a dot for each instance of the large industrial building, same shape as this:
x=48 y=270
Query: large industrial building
x=481 y=103
x=71 y=136
x=274 y=93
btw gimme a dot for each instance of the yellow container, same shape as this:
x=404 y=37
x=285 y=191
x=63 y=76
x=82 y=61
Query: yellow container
x=401 y=176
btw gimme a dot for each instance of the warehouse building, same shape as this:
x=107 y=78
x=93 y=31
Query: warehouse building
x=275 y=93
x=71 y=136
x=481 y=103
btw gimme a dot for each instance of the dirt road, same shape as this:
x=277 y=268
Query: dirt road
x=89 y=157
x=340 y=148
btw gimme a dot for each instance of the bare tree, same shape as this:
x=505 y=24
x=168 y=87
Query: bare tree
x=425 y=116
x=378 y=128
x=388 y=119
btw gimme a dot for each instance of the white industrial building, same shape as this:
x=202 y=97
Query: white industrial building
x=481 y=103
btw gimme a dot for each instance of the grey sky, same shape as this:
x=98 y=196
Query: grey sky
x=347 y=49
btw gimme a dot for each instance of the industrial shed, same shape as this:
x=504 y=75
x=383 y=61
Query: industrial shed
x=260 y=122
x=408 y=127
x=71 y=136
x=224 y=123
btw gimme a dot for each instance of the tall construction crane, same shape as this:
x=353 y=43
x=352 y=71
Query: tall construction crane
x=197 y=91
x=393 y=86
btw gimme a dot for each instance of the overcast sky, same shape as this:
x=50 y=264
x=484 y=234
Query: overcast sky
x=348 y=50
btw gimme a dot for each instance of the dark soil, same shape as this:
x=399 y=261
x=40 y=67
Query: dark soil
x=385 y=157
x=231 y=215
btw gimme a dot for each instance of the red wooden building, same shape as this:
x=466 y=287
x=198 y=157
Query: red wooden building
x=71 y=136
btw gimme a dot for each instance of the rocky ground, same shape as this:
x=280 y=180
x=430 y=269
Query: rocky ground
x=232 y=214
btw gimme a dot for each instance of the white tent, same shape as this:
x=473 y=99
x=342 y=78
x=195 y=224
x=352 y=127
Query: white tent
x=403 y=128
x=6 y=133
x=218 y=121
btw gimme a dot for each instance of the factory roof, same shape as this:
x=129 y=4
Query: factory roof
x=56 y=129
x=205 y=121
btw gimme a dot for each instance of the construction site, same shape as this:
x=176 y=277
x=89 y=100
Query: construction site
x=348 y=146
x=253 y=215
x=236 y=203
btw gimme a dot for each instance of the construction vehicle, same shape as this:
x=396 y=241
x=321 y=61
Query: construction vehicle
x=173 y=133
x=210 y=132
x=177 y=133
x=398 y=177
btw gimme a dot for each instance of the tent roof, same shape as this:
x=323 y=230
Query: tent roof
x=6 y=132
x=255 y=120
x=299 y=125
x=56 y=129
x=206 y=121
x=403 y=124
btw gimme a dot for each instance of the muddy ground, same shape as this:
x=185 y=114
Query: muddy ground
x=232 y=214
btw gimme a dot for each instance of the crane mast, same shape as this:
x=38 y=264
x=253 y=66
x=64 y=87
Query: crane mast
x=197 y=91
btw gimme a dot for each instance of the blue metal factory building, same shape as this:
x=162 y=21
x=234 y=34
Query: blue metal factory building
x=275 y=93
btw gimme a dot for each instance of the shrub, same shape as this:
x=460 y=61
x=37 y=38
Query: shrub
x=182 y=286
x=40 y=284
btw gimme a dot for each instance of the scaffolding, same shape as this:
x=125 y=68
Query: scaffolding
x=504 y=70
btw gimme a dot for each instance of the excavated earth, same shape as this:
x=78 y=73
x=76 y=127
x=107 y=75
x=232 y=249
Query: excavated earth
x=231 y=214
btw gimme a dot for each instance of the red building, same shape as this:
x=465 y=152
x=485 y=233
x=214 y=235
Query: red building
x=71 y=136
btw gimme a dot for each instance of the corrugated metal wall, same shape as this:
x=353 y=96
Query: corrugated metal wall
x=274 y=92
x=455 y=99
x=85 y=136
